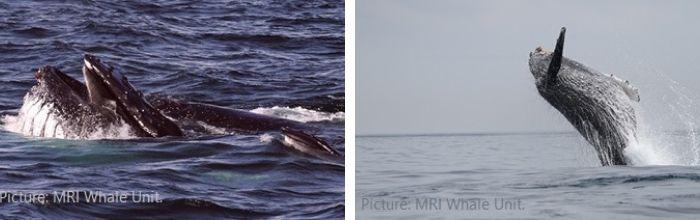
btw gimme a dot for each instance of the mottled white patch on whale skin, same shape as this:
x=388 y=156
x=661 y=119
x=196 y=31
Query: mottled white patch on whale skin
x=631 y=91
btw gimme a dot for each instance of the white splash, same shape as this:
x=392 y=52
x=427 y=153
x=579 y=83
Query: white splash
x=649 y=151
x=266 y=138
x=301 y=114
x=667 y=127
x=114 y=131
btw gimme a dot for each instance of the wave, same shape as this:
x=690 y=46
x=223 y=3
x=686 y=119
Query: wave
x=34 y=32
x=266 y=138
x=617 y=180
x=165 y=208
x=307 y=20
x=272 y=39
x=300 y=114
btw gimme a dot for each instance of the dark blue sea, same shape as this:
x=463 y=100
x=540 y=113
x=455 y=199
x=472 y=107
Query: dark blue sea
x=524 y=176
x=280 y=58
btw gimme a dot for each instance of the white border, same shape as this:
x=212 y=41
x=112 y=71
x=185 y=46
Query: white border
x=349 y=109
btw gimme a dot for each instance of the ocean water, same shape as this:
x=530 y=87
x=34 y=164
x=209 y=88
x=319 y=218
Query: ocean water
x=281 y=58
x=523 y=176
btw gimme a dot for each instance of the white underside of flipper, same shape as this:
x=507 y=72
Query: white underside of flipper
x=631 y=91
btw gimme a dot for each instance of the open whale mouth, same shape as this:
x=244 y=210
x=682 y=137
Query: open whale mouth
x=106 y=98
x=109 y=89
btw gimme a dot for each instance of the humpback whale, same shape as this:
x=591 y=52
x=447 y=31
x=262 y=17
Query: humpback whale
x=599 y=106
x=60 y=106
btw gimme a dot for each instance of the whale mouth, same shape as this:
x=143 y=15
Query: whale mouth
x=105 y=92
x=105 y=87
x=109 y=89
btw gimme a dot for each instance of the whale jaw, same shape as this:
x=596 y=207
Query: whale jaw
x=109 y=89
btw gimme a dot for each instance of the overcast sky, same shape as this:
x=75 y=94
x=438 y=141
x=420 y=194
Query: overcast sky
x=461 y=66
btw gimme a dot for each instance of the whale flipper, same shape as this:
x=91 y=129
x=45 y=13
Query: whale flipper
x=555 y=64
x=631 y=91
x=309 y=144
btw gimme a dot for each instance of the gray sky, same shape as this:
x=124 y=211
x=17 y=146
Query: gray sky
x=461 y=66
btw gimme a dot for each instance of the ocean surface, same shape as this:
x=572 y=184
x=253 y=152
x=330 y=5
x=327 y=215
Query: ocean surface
x=281 y=58
x=524 y=176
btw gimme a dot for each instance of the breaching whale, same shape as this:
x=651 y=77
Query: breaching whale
x=599 y=106
x=60 y=106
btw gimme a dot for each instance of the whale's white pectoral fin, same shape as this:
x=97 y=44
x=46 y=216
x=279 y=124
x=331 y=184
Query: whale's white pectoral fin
x=631 y=91
x=309 y=144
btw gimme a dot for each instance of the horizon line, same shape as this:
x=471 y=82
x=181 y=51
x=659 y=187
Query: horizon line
x=480 y=133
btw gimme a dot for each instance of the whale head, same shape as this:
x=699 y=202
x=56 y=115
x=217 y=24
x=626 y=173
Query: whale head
x=56 y=83
x=56 y=107
x=539 y=62
x=545 y=65
x=63 y=107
